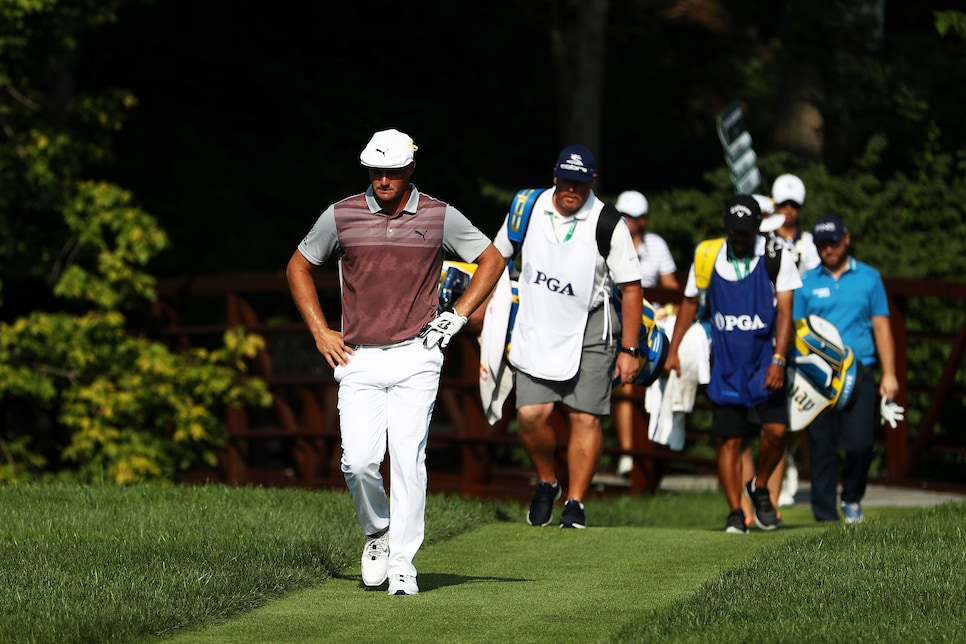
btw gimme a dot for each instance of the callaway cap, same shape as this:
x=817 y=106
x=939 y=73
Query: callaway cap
x=575 y=163
x=388 y=149
x=742 y=214
x=828 y=228
x=632 y=203
x=788 y=187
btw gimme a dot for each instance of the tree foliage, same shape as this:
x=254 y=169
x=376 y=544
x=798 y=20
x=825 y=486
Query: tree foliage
x=81 y=394
x=951 y=22
x=134 y=410
x=249 y=122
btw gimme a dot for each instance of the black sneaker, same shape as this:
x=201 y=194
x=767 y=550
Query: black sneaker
x=541 y=508
x=736 y=523
x=766 y=517
x=573 y=515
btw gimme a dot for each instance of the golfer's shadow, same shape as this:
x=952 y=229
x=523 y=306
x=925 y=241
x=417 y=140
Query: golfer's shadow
x=433 y=580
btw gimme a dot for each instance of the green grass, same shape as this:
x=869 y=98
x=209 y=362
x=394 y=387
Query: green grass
x=216 y=564
x=899 y=580
x=84 y=564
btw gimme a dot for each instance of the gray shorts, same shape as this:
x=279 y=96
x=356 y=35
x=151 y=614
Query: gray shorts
x=589 y=391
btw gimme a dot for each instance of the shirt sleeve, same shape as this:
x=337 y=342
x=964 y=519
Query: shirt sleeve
x=322 y=240
x=502 y=239
x=788 y=279
x=622 y=260
x=691 y=285
x=461 y=237
x=665 y=260
x=800 y=303
x=880 y=301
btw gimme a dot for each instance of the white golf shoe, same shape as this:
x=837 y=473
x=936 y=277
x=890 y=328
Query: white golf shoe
x=375 y=560
x=403 y=585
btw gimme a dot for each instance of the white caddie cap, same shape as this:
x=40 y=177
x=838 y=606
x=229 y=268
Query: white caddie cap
x=788 y=187
x=388 y=149
x=632 y=203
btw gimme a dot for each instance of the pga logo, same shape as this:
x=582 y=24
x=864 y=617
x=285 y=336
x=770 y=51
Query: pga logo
x=738 y=322
x=551 y=283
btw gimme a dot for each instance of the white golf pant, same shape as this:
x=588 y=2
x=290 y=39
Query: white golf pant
x=388 y=394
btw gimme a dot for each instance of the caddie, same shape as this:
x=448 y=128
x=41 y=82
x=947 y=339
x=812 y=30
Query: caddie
x=566 y=333
x=750 y=315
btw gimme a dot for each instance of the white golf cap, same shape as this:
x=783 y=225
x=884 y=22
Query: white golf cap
x=388 y=149
x=788 y=187
x=632 y=203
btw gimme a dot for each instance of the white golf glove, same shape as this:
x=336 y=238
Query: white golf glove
x=441 y=330
x=891 y=413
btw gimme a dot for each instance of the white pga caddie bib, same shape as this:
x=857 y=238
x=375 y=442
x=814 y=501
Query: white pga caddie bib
x=556 y=290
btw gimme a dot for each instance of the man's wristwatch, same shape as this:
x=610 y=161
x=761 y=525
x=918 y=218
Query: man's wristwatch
x=634 y=351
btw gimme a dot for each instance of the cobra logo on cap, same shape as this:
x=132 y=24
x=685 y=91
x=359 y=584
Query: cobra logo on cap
x=574 y=163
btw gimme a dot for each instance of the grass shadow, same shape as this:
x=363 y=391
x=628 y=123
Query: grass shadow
x=435 y=580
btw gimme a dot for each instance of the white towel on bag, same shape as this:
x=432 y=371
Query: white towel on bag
x=671 y=398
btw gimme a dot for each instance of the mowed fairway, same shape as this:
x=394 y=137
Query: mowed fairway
x=513 y=583
x=217 y=564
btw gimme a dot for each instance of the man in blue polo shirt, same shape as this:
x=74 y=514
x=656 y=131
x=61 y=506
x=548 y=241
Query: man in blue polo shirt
x=850 y=295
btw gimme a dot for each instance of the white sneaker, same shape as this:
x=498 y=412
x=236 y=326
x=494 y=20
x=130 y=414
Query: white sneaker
x=625 y=465
x=789 y=489
x=403 y=585
x=375 y=560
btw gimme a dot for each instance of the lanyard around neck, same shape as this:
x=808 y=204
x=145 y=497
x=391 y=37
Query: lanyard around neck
x=734 y=262
x=570 y=233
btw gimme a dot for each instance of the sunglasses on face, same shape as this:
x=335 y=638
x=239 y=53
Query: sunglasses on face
x=828 y=243
x=790 y=203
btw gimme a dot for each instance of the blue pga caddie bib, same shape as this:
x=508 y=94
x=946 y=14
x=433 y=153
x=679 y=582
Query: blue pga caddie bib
x=742 y=322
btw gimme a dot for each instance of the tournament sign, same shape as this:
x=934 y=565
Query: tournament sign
x=739 y=154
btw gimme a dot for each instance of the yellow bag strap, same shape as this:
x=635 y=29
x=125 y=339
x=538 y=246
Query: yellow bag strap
x=704 y=256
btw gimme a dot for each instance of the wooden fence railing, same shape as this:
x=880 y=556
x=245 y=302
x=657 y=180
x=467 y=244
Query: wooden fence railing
x=296 y=442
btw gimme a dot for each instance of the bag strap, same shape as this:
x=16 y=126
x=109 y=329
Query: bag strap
x=707 y=252
x=522 y=206
x=773 y=257
x=606 y=223
x=519 y=219
x=704 y=256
